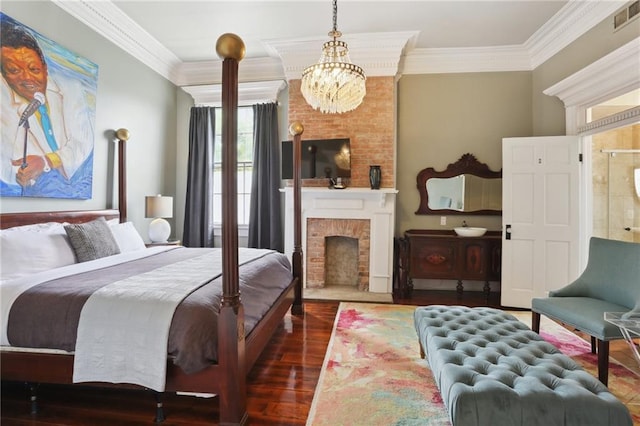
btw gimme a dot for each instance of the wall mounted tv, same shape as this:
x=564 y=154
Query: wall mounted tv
x=321 y=158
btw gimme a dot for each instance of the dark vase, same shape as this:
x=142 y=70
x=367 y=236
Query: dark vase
x=375 y=176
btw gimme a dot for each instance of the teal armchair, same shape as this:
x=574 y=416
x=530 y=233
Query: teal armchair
x=609 y=283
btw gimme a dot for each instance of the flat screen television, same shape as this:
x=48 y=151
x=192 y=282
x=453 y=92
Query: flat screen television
x=321 y=158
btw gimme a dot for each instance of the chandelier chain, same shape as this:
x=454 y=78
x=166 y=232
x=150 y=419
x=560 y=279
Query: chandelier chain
x=335 y=16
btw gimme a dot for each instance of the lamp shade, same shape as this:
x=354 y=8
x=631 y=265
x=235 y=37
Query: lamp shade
x=158 y=206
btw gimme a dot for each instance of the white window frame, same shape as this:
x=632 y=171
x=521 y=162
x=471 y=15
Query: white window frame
x=244 y=179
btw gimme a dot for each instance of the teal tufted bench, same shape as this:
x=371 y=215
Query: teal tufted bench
x=492 y=370
x=609 y=283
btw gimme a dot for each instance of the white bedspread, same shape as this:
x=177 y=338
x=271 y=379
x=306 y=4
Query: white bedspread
x=124 y=326
x=11 y=289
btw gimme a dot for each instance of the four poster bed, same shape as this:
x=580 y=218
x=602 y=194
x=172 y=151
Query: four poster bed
x=217 y=365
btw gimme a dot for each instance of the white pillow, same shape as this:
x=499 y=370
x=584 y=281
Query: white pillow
x=29 y=249
x=126 y=236
x=36 y=227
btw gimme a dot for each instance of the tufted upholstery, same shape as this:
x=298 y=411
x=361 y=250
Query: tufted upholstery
x=492 y=370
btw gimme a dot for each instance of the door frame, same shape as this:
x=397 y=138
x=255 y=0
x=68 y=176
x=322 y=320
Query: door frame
x=610 y=76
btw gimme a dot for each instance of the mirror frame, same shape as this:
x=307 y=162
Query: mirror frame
x=467 y=164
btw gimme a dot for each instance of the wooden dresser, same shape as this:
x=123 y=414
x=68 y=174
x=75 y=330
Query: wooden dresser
x=440 y=254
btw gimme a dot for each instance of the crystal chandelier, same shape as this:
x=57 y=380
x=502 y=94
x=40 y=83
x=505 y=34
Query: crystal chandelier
x=334 y=85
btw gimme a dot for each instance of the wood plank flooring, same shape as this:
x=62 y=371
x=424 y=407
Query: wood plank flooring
x=280 y=387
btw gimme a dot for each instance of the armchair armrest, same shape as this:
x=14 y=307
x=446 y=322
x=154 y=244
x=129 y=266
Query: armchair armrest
x=578 y=288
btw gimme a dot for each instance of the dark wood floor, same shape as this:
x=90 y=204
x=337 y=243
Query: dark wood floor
x=280 y=387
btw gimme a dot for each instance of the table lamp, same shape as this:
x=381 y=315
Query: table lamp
x=159 y=207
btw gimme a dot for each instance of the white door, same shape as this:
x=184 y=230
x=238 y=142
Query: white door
x=540 y=216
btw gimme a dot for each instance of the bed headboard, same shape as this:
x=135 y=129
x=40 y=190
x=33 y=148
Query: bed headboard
x=9 y=220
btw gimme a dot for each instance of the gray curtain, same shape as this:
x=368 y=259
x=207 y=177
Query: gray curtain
x=198 y=211
x=265 y=226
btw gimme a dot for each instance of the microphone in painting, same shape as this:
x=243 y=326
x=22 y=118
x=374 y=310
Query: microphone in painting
x=38 y=99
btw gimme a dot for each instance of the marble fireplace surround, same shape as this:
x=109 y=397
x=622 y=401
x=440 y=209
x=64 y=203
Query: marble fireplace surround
x=378 y=206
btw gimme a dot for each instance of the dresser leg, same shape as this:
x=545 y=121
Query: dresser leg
x=459 y=288
x=487 y=289
x=408 y=288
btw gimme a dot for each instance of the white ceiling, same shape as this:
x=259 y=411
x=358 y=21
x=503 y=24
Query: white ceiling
x=190 y=28
x=177 y=38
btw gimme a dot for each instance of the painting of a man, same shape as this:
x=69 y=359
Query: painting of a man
x=48 y=114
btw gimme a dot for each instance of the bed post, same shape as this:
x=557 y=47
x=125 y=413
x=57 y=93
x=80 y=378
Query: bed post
x=123 y=136
x=296 y=129
x=231 y=341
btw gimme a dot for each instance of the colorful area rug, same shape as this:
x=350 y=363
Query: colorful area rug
x=373 y=374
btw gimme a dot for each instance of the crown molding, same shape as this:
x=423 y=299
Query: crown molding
x=571 y=22
x=248 y=93
x=210 y=72
x=610 y=76
x=108 y=20
x=379 y=54
x=461 y=60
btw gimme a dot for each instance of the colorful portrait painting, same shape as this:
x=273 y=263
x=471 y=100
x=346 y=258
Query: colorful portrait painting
x=48 y=116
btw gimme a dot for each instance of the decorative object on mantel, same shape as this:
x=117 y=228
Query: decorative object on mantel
x=336 y=183
x=334 y=85
x=375 y=176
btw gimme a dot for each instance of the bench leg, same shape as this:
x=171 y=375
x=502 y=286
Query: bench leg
x=535 y=321
x=603 y=361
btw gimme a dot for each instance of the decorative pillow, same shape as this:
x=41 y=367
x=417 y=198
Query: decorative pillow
x=127 y=237
x=33 y=248
x=92 y=240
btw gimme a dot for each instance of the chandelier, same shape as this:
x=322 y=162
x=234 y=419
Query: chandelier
x=334 y=85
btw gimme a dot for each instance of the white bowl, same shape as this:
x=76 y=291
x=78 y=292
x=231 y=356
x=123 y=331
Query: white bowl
x=470 y=231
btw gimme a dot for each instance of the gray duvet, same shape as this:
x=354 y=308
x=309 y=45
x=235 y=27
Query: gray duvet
x=46 y=316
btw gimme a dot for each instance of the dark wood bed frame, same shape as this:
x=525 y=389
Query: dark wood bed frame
x=237 y=353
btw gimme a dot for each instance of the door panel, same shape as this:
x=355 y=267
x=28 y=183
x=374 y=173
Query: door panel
x=557 y=187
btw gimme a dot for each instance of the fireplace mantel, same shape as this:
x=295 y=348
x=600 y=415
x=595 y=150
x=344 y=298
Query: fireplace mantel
x=378 y=206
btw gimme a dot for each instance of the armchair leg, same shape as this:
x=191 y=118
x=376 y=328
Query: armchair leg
x=593 y=345
x=535 y=321
x=603 y=361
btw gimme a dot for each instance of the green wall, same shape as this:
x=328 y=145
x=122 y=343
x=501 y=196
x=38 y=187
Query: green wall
x=130 y=96
x=443 y=116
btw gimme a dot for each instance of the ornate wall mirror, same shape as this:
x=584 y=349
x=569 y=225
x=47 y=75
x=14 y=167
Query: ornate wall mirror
x=465 y=187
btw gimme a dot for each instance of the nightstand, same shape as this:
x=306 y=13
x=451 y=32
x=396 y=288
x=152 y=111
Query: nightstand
x=165 y=243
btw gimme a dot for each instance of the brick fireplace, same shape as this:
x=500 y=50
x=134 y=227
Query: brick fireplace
x=361 y=213
x=319 y=264
x=371 y=129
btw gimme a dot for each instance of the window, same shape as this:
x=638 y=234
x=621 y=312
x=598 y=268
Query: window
x=245 y=165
